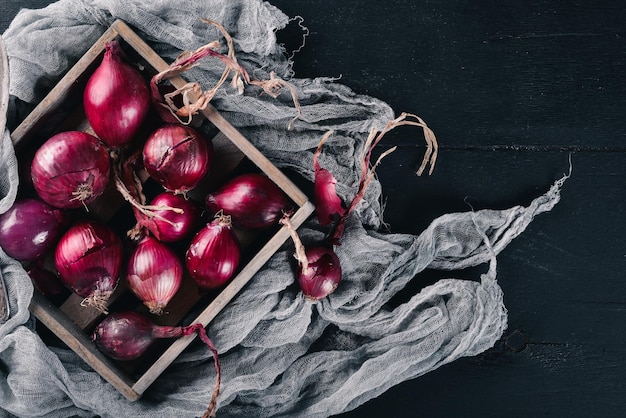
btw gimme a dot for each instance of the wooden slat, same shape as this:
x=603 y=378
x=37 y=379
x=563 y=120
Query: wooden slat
x=4 y=85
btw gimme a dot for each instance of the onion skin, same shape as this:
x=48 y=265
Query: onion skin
x=213 y=254
x=116 y=99
x=71 y=169
x=88 y=259
x=252 y=200
x=30 y=228
x=178 y=157
x=322 y=274
x=154 y=273
x=168 y=225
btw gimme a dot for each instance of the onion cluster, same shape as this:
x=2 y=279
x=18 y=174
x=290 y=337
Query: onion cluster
x=64 y=249
x=175 y=235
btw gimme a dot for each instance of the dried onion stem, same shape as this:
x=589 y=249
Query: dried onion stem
x=194 y=98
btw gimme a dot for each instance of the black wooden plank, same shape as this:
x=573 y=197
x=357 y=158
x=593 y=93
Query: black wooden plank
x=489 y=73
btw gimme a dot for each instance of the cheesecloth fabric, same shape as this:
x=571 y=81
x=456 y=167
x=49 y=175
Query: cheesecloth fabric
x=281 y=355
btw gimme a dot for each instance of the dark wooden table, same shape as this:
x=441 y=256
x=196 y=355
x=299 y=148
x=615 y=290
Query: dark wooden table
x=512 y=90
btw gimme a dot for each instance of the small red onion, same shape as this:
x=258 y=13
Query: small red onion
x=213 y=254
x=124 y=335
x=127 y=335
x=173 y=217
x=116 y=99
x=71 y=169
x=88 y=258
x=252 y=200
x=322 y=274
x=30 y=228
x=328 y=205
x=319 y=269
x=154 y=273
x=178 y=157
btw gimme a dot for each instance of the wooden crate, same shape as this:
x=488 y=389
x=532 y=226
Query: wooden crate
x=62 y=109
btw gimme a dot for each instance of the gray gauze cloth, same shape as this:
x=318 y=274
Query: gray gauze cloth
x=281 y=354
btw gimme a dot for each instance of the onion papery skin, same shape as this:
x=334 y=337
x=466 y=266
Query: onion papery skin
x=177 y=157
x=323 y=273
x=175 y=226
x=88 y=259
x=123 y=335
x=154 y=273
x=30 y=228
x=252 y=200
x=71 y=169
x=116 y=99
x=213 y=254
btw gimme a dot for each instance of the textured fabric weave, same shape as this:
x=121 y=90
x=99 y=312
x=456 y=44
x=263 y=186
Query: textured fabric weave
x=281 y=355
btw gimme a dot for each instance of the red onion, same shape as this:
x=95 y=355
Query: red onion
x=126 y=336
x=177 y=157
x=116 y=99
x=319 y=269
x=172 y=218
x=252 y=200
x=71 y=169
x=154 y=273
x=213 y=254
x=88 y=258
x=328 y=205
x=30 y=228
x=322 y=274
